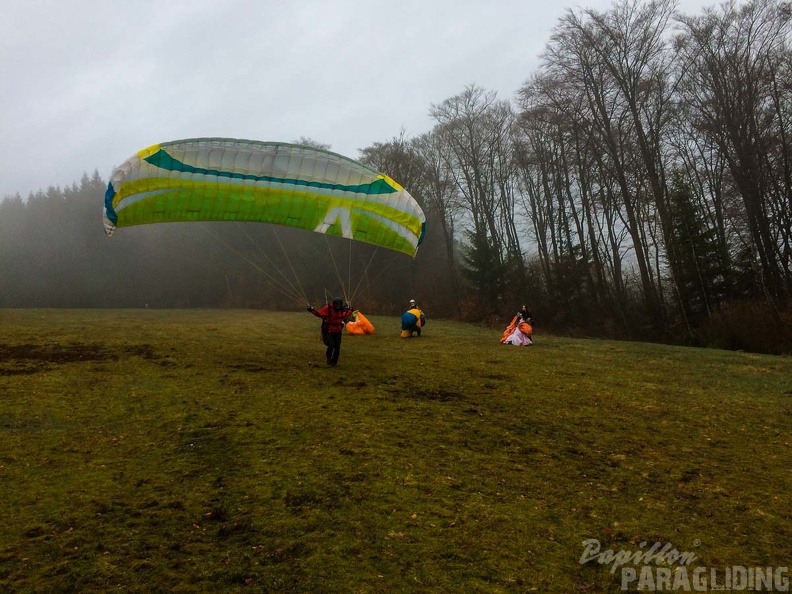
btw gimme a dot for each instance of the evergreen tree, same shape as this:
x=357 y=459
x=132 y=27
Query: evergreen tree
x=701 y=265
x=483 y=269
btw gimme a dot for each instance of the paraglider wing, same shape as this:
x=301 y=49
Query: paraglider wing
x=517 y=333
x=222 y=179
x=510 y=328
x=360 y=325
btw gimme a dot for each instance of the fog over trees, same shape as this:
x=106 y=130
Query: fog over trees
x=638 y=185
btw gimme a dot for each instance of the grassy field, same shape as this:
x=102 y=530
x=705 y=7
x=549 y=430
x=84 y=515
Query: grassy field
x=214 y=451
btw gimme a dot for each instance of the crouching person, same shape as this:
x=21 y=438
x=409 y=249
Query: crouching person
x=412 y=321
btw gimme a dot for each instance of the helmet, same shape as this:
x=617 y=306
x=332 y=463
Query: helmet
x=412 y=301
x=338 y=303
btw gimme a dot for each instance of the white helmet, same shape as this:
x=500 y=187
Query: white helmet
x=412 y=301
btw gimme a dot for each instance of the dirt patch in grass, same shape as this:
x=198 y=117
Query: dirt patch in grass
x=26 y=359
x=57 y=353
x=429 y=393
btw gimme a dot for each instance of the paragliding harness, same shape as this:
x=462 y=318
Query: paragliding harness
x=325 y=332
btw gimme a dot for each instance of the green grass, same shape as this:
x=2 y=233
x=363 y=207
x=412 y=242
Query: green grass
x=201 y=451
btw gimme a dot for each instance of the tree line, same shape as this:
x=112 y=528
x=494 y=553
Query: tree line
x=54 y=253
x=637 y=186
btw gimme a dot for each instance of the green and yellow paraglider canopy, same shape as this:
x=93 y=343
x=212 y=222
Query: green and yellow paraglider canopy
x=223 y=179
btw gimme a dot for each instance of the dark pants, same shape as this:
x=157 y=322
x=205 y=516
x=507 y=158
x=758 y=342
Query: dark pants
x=333 y=342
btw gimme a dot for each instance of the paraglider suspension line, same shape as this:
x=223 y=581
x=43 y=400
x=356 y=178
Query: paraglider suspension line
x=365 y=272
x=296 y=278
x=275 y=266
x=283 y=289
x=335 y=267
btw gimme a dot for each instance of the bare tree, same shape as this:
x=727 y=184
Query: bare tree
x=474 y=129
x=613 y=62
x=735 y=59
x=442 y=198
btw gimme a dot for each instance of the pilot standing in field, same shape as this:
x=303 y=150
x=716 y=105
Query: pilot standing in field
x=333 y=317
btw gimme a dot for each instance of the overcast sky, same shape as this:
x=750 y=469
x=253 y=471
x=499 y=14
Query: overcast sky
x=84 y=84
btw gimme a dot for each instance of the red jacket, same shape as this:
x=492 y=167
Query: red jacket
x=334 y=318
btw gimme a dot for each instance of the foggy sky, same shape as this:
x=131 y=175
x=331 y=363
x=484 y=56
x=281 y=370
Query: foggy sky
x=86 y=84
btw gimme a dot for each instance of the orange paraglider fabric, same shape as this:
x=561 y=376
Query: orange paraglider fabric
x=360 y=326
x=517 y=333
x=509 y=329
